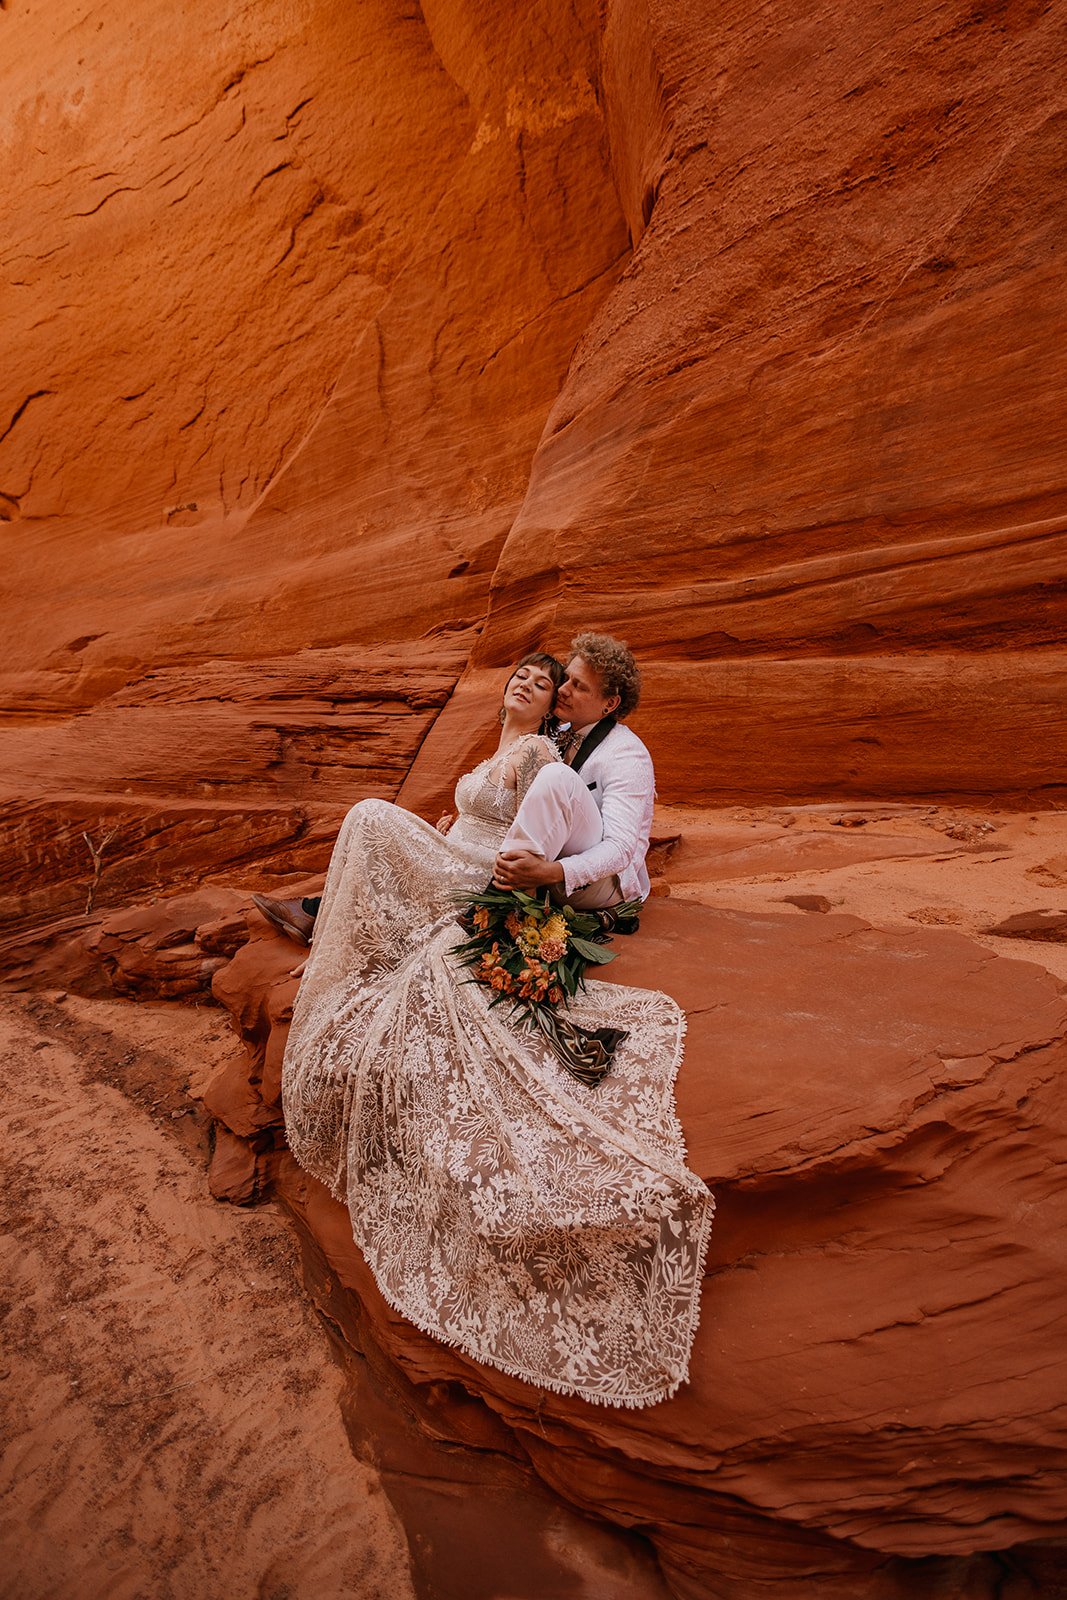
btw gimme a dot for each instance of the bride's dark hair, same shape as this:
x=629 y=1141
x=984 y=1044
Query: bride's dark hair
x=548 y=664
x=553 y=669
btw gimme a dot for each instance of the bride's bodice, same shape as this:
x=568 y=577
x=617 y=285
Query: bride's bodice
x=488 y=798
x=485 y=806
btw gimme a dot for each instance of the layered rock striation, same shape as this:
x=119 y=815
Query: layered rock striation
x=191 y=770
x=288 y=298
x=816 y=434
x=350 y=351
x=334 y=329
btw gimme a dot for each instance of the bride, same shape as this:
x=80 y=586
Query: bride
x=545 y=1228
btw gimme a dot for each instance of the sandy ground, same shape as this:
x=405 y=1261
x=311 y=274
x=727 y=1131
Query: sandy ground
x=146 y=1451
x=893 y=866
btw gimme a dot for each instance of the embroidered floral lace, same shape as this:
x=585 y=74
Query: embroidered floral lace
x=546 y=1229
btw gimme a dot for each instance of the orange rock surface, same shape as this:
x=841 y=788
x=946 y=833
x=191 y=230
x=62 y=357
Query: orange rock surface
x=817 y=432
x=879 y=1355
x=288 y=296
x=871 y=1083
x=351 y=350
x=333 y=329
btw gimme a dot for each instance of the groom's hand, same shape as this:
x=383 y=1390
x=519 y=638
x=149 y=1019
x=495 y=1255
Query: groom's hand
x=522 y=869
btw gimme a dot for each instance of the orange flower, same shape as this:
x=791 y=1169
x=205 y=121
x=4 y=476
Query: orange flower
x=555 y=995
x=513 y=923
x=481 y=917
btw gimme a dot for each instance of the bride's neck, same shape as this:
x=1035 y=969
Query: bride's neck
x=512 y=730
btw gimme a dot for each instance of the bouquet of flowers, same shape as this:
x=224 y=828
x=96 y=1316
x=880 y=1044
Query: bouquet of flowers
x=535 y=955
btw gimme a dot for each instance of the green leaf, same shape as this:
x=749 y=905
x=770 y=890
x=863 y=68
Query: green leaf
x=593 y=953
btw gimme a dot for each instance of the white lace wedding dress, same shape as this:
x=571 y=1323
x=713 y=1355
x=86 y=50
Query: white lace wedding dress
x=547 y=1229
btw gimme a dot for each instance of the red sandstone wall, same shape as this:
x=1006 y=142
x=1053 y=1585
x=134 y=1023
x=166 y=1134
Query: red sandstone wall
x=817 y=434
x=323 y=333
x=288 y=297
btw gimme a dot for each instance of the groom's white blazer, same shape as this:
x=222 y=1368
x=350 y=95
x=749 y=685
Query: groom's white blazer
x=620 y=778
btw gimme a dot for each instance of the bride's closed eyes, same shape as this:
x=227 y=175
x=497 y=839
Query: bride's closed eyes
x=540 y=680
x=533 y=687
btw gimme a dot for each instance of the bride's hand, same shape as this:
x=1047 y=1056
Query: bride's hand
x=444 y=823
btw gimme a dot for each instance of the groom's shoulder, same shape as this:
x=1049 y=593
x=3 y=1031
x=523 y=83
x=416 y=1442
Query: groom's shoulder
x=623 y=741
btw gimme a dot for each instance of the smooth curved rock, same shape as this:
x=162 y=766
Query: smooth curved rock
x=352 y=330
x=287 y=299
x=351 y=350
x=774 y=448
x=876 y=1396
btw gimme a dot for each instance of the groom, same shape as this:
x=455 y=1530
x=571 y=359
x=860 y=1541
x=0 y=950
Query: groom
x=583 y=827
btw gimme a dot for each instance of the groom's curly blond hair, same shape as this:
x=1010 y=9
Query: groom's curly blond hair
x=614 y=666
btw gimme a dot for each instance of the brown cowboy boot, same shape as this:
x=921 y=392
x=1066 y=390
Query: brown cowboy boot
x=288 y=916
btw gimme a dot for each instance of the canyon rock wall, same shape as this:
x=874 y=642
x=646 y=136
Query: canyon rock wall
x=288 y=297
x=350 y=350
x=341 y=342
x=816 y=436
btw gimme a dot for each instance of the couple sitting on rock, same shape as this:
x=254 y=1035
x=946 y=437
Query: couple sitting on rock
x=585 y=838
x=545 y=1227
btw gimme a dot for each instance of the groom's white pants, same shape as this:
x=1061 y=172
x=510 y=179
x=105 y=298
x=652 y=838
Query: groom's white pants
x=559 y=818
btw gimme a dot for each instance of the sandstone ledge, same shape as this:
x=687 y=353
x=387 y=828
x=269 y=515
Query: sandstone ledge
x=876 y=1394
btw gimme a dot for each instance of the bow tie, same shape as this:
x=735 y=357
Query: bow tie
x=569 y=745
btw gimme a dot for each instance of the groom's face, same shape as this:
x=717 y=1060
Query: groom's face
x=582 y=699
